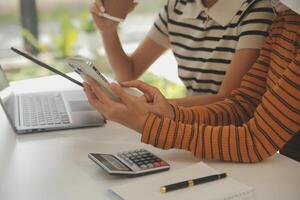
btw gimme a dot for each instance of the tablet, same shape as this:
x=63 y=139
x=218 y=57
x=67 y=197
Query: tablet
x=44 y=65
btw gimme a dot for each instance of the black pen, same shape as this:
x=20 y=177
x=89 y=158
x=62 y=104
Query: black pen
x=190 y=183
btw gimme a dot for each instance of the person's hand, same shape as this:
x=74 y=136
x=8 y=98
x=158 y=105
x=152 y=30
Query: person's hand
x=158 y=104
x=103 y=23
x=131 y=111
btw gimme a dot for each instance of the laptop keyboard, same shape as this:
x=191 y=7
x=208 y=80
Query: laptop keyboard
x=44 y=109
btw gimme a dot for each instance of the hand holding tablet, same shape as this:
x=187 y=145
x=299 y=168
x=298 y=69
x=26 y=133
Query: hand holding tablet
x=85 y=67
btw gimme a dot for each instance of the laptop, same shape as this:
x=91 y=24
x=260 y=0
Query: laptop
x=47 y=111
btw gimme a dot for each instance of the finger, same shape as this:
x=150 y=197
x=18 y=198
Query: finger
x=91 y=95
x=124 y=96
x=98 y=91
x=143 y=98
x=135 y=4
x=88 y=90
x=94 y=9
x=100 y=5
x=110 y=112
x=139 y=85
x=93 y=100
x=148 y=90
x=148 y=97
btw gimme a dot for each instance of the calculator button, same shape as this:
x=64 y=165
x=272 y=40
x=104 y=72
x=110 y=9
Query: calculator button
x=135 y=161
x=156 y=164
x=132 y=157
x=141 y=159
x=130 y=162
x=146 y=162
x=150 y=165
x=143 y=166
x=162 y=163
x=127 y=160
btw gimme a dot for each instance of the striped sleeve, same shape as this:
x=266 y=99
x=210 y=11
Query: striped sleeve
x=254 y=26
x=249 y=127
x=240 y=106
x=275 y=122
x=159 y=31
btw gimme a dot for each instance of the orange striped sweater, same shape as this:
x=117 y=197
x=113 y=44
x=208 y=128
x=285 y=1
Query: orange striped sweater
x=256 y=120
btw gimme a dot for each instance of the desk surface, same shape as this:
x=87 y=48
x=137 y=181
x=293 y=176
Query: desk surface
x=54 y=165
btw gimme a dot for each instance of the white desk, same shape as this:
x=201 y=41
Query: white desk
x=54 y=165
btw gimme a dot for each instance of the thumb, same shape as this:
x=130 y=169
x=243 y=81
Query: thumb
x=124 y=96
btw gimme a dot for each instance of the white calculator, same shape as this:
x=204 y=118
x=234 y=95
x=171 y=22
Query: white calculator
x=130 y=163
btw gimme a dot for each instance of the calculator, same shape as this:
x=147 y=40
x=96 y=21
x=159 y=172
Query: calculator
x=130 y=163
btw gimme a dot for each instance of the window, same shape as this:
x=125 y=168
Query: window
x=58 y=20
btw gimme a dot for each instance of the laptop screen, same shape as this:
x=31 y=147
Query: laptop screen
x=6 y=97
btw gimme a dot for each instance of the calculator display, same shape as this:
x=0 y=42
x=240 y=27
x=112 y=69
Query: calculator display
x=111 y=162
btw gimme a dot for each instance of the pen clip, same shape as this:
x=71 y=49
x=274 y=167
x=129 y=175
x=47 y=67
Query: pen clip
x=191 y=183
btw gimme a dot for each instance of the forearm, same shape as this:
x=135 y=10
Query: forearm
x=197 y=100
x=120 y=62
x=274 y=122
x=251 y=142
x=235 y=110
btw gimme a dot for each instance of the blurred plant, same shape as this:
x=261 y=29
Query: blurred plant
x=63 y=42
x=86 y=22
x=66 y=39
x=33 y=71
x=33 y=41
x=168 y=88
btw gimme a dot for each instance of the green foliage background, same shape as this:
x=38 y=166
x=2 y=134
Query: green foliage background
x=63 y=43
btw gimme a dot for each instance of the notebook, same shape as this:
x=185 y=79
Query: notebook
x=148 y=188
